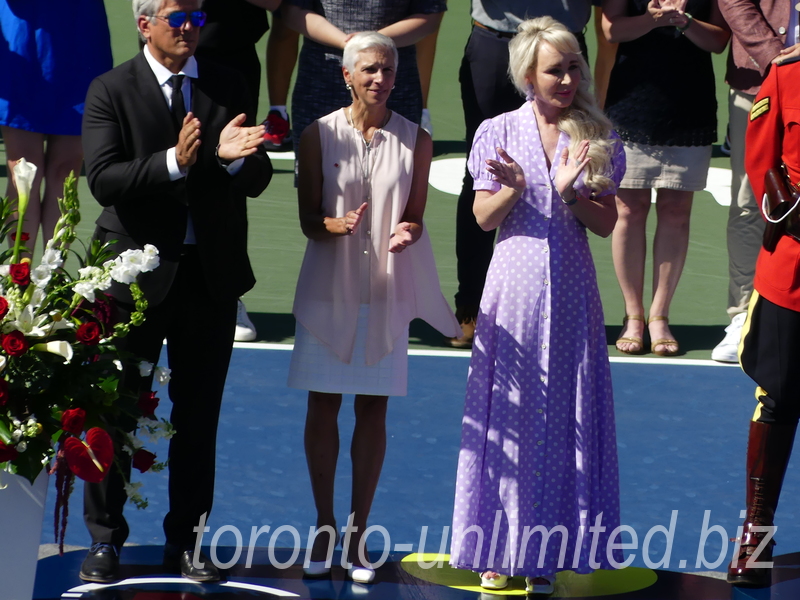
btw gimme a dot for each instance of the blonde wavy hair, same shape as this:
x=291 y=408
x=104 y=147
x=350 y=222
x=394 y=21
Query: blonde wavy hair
x=583 y=120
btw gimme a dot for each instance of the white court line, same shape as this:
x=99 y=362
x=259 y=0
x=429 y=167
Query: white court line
x=77 y=592
x=691 y=362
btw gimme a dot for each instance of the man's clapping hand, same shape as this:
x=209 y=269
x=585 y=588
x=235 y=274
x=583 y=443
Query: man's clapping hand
x=237 y=142
x=188 y=142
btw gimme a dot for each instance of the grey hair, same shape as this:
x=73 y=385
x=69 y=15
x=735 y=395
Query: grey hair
x=583 y=120
x=149 y=8
x=367 y=40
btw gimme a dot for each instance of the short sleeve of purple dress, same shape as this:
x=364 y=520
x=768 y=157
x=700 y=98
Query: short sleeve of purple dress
x=538 y=442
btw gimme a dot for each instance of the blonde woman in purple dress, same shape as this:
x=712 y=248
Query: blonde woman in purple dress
x=538 y=449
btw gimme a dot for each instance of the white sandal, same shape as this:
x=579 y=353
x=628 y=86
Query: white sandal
x=494 y=583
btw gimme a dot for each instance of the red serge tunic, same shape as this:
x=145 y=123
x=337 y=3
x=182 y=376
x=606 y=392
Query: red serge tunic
x=773 y=135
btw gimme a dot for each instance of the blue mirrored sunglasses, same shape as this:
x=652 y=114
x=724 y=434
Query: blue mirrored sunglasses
x=178 y=18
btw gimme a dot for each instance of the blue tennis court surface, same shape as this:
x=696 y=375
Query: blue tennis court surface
x=681 y=429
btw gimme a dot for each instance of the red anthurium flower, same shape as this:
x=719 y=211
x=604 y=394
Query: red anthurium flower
x=15 y=344
x=143 y=460
x=3 y=307
x=148 y=402
x=72 y=420
x=20 y=273
x=91 y=459
x=25 y=236
x=7 y=452
x=3 y=392
x=88 y=333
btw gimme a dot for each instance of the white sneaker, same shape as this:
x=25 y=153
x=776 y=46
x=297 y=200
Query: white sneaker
x=245 y=330
x=728 y=349
x=426 y=123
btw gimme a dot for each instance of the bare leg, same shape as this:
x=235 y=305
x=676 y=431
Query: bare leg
x=606 y=55
x=281 y=58
x=30 y=146
x=64 y=155
x=670 y=245
x=322 y=449
x=426 y=53
x=629 y=249
x=367 y=452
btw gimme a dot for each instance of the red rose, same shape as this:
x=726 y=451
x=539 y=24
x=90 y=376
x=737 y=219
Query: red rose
x=91 y=459
x=20 y=273
x=7 y=453
x=3 y=392
x=148 y=402
x=14 y=343
x=3 y=307
x=143 y=460
x=72 y=420
x=25 y=236
x=89 y=334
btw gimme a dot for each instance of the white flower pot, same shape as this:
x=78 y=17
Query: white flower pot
x=21 y=513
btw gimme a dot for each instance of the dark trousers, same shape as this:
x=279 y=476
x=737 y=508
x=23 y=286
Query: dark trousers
x=770 y=357
x=198 y=324
x=486 y=91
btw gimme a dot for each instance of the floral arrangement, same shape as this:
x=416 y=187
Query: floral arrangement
x=61 y=403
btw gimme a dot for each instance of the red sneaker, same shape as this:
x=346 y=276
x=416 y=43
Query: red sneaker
x=277 y=130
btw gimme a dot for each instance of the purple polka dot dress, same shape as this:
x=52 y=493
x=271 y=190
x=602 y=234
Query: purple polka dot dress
x=538 y=459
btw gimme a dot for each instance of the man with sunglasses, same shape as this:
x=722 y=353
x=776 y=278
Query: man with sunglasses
x=170 y=153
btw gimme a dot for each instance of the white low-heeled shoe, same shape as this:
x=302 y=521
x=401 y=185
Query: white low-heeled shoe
x=494 y=583
x=317 y=568
x=361 y=574
x=536 y=588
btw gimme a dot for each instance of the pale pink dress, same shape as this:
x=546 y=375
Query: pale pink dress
x=339 y=275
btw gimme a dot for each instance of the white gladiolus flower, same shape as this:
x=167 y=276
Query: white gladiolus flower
x=132 y=444
x=118 y=364
x=5 y=270
x=163 y=375
x=22 y=446
x=123 y=273
x=132 y=490
x=145 y=368
x=52 y=258
x=40 y=276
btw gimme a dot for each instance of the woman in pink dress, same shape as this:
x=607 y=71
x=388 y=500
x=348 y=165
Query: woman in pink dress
x=538 y=460
x=367 y=272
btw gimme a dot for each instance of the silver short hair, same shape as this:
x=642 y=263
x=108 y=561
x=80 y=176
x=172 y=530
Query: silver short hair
x=149 y=8
x=367 y=40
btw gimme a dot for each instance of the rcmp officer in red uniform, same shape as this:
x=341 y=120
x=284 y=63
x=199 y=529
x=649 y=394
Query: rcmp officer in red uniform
x=770 y=348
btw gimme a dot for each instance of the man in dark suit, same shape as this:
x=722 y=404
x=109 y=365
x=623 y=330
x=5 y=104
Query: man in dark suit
x=169 y=156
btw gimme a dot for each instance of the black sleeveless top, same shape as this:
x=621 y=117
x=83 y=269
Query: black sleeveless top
x=661 y=90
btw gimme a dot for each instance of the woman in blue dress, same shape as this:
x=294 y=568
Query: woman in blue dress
x=50 y=51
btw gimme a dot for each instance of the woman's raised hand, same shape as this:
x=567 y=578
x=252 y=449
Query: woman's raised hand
x=665 y=14
x=569 y=167
x=353 y=218
x=507 y=172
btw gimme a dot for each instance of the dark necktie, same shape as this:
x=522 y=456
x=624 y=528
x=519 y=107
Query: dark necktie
x=178 y=105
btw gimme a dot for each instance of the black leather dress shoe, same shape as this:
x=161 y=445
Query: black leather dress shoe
x=101 y=564
x=181 y=559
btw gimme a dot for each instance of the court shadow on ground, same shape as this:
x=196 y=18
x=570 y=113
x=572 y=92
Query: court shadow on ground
x=691 y=337
x=279 y=328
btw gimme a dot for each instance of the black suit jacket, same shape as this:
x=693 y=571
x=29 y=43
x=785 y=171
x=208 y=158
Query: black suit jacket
x=127 y=130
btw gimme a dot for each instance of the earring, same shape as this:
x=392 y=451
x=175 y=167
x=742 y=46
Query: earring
x=348 y=86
